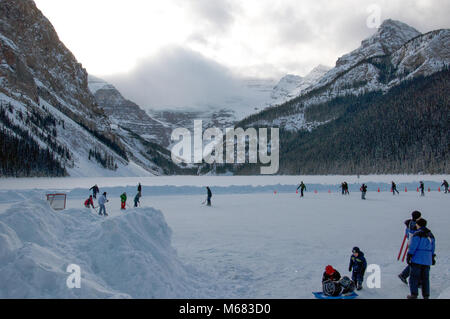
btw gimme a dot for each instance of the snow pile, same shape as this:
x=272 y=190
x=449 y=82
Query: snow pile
x=127 y=256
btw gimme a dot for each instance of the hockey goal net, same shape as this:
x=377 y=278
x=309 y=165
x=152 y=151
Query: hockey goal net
x=57 y=201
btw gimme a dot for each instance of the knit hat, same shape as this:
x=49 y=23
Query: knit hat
x=416 y=215
x=356 y=250
x=422 y=222
x=329 y=270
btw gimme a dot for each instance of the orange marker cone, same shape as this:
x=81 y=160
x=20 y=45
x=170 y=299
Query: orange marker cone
x=439 y=189
x=429 y=190
x=406 y=190
x=378 y=189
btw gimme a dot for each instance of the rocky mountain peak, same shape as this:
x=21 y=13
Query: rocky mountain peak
x=391 y=35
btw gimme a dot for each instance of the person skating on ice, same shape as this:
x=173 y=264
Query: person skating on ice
x=302 y=187
x=394 y=188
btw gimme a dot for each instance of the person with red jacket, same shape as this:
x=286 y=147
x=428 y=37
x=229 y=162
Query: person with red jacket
x=89 y=202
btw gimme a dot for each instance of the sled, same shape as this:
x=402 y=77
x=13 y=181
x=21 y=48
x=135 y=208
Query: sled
x=320 y=295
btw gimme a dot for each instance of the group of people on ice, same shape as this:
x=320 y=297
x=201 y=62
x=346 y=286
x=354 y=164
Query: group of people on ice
x=102 y=200
x=345 y=189
x=332 y=283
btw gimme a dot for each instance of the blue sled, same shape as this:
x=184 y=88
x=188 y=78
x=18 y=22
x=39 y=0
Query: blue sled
x=320 y=295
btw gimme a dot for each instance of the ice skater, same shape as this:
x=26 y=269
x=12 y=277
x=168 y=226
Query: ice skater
x=422 y=188
x=394 y=189
x=95 y=190
x=302 y=187
x=209 y=194
x=363 y=190
x=445 y=184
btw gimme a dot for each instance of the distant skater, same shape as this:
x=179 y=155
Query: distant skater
x=95 y=190
x=394 y=189
x=363 y=190
x=346 y=192
x=422 y=188
x=445 y=184
x=302 y=187
x=139 y=189
x=209 y=196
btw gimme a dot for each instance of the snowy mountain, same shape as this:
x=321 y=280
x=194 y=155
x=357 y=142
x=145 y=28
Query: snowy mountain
x=395 y=53
x=291 y=86
x=127 y=114
x=254 y=95
x=50 y=123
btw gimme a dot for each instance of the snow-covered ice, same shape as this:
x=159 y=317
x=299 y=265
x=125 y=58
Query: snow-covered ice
x=251 y=244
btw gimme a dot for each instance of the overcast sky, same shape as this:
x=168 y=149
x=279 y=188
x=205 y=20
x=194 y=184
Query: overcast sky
x=260 y=38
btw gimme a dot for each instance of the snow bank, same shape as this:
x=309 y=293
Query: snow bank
x=127 y=256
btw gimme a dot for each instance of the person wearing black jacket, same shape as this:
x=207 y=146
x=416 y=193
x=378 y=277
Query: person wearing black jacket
x=445 y=184
x=363 y=190
x=209 y=196
x=394 y=189
x=95 y=190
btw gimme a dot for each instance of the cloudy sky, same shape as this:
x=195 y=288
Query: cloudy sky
x=138 y=40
